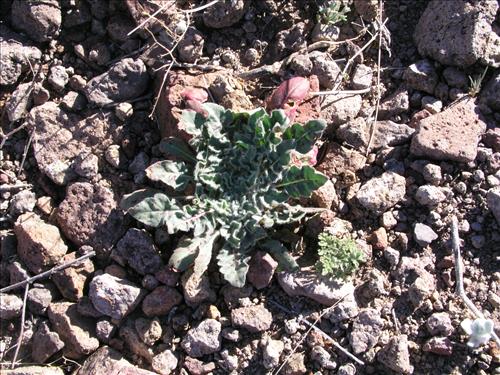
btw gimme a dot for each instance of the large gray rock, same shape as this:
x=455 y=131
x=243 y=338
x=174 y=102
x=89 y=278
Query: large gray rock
x=340 y=108
x=20 y=102
x=16 y=56
x=459 y=32
x=383 y=192
x=224 y=14
x=39 y=19
x=10 y=306
x=309 y=284
x=125 y=80
x=203 y=339
x=450 y=135
x=114 y=297
x=34 y=370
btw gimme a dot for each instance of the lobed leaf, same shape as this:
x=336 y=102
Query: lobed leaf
x=171 y=173
x=178 y=148
x=301 y=182
x=130 y=200
x=185 y=254
x=233 y=264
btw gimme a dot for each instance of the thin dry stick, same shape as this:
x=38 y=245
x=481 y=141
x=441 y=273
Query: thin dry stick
x=379 y=59
x=21 y=334
x=202 y=7
x=344 y=92
x=25 y=152
x=160 y=9
x=459 y=288
x=313 y=326
x=46 y=273
x=4 y=188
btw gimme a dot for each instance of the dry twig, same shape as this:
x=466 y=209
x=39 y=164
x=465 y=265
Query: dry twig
x=459 y=281
x=379 y=59
x=311 y=327
x=21 y=334
x=47 y=273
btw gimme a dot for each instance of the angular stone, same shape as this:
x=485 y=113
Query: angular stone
x=383 y=192
x=261 y=271
x=395 y=355
x=125 y=80
x=203 y=339
x=422 y=76
x=164 y=362
x=366 y=330
x=450 y=135
x=439 y=345
x=39 y=19
x=45 y=344
x=148 y=330
x=114 y=297
x=424 y=234
x=39 y=299
x=271 y=353
x=60 y=137
x=89 y=215
x=160 y=301
x=16 y=57
x=493 y=201
x=134 y=343
x=309 y=284
x=224 y=14
x=109 y=361
x=20 y=102
x=76 y=331
x=459 y=32
x=34 y=370
x=339 y=108
x=137 y=250
x=362 y=77
x=71 y=280
x=10 y=307
x=39 y=245
x=340 y=160
x=428 y=195
x=252 y=318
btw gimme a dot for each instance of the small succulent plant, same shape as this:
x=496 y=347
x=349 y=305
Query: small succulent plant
x=338 y=257
x=333 y=12
x=242 y=182
x=480 y=331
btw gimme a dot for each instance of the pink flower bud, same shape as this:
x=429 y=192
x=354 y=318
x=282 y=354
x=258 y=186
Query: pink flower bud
x=194 y=94
x=293 y=90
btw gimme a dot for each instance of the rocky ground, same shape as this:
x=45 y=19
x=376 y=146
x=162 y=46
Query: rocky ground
x=85 y=104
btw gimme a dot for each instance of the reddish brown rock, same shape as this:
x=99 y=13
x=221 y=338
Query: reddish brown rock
x=160 y=301
x=325 y=196
x=39 y=245
x=338 y=160
x=261 y=271
x=492 y=139
x=71 y=280
x=450 y=135
x=45 y=343
x=89 y=215
x=379 y=239
x=109 y=361
x=77 y=331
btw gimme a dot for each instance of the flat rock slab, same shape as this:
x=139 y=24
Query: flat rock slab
x=450 y=135
x=34 y=370
x=89 y=215
x=109 y=361
x=308 y=284
x=459 y=32
x=60 y=137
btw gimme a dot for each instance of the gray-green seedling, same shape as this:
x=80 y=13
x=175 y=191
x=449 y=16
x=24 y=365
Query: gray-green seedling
x=338 y=257
x=239 y=166
x=333 y=12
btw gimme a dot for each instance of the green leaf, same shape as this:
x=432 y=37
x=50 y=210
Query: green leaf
x=204 y=254
x=160 y=210
x=130 y=200
x=305 y=136
x=233 y=264
x=171 y=173
x=185 y=254
x=178 y=148
x=281 y=254
x=301 y=182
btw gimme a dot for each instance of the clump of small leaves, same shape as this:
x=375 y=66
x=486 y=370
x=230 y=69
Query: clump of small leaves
x=239 y=166
x=333 y=12
x=338 y=257
x=480 y=331
x=476 y=83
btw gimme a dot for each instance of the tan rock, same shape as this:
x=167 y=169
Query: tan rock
x=71 y=280
x=39 y=245
x=109 y=361
x=450 y=135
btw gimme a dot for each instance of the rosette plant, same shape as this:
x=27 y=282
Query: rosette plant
x=239 y=167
